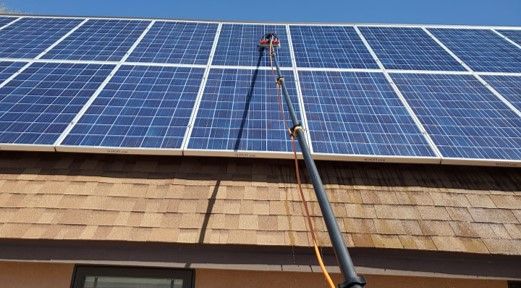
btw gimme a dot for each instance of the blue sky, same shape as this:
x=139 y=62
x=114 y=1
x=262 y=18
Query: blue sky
x=476 y=12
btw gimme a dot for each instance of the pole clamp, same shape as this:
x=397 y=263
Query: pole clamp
x=293 y=131
x=353 y=282
x=279 y=80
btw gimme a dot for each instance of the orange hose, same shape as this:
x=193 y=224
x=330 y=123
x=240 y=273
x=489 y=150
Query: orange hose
x=299 y=181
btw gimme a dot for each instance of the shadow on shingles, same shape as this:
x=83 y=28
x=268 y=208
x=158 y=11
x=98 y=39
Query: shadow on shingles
x=260 y=170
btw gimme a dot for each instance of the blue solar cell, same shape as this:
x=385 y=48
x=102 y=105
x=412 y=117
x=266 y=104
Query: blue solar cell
x=514 y=35
x=176 y=42
x=29 y=37
x=38 y=104
x=7 y=69
x=408 y=48
x=464 y=118
x=360 y=114
x=6 y=20
x=237 y=45
x=481 y=50
x=508 y=86
x=239 y=110
x=145 y=107
x=330 y=47
x=102 y=40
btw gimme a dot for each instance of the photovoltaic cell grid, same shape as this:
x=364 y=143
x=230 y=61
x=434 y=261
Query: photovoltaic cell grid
x=7 y=69
x=101 y=40
x=481 y=50
x=147 y=107
x=6 y=20
x=330 y=47
x=38 y=104
x=508 y=86
x=464 y=119
x=176 y=42
x=29 y=37
x=514 y=35
x=358 y=114
x=409 y=49
x=237 y=45
x=239 y=111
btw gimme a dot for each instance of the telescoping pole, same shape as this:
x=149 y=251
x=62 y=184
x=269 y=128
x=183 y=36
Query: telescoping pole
x=352 y=280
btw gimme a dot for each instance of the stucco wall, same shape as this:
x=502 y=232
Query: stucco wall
x=252 y=279
x=37 y=275
x=52 y=275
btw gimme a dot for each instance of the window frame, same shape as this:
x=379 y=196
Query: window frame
x=82 y=271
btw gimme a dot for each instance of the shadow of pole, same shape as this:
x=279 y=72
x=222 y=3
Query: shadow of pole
x=209 y=209
x=248 y=101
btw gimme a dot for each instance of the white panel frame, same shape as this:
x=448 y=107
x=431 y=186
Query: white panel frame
x=70 y=148
x=195 y=110
x=16 y=19
x=506 y=38
x=261 y=154
x=402 y=99
x=34 y=147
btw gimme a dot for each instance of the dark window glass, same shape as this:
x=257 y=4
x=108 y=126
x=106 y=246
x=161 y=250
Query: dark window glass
x=516 y=284
x=131 y=277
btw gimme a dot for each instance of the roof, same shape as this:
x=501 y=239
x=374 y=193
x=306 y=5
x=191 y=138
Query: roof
x=231 y=201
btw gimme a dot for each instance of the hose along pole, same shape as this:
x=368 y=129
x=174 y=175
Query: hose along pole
x=352 y=280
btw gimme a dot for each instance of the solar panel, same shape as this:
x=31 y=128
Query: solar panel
x=514 y=35
x=144 y=107
x=464 y=118
x=176 y=42
x=7 y=69
x=508 y=86
x=481 y=50
x=6 y=20
x=102 y=40
x=238 y=45
x=408 y=48
x=239 y=111
x=29 y=37
x=358 y=114
x=38 y=104
x=330 y=47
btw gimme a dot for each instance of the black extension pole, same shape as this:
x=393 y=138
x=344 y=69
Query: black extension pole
x=351 y=279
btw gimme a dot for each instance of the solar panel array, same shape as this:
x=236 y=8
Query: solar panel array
x=400 y=93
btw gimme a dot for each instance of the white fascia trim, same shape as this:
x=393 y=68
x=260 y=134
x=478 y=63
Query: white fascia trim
x=300 y=96
x=476 y=75
x=240 y=154
x=506 y=38
x=481 y=162
x=198 y=99
x=26 y=147
x=398 y=93
x=119 y=150
x=377 y=158
x=101 y=87
x=11 y=23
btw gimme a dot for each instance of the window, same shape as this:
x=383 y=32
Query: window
x=131 y=277
x=514 y=284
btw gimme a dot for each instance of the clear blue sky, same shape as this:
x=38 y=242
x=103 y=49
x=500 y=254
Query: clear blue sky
x=478 y=12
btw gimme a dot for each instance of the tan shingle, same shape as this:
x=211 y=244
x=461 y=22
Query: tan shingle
x=492 y=215
x=420 y=207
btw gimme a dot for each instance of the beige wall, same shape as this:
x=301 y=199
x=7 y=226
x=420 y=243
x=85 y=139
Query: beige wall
x=51 y=275
x=252 y=279
x=37 y=275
